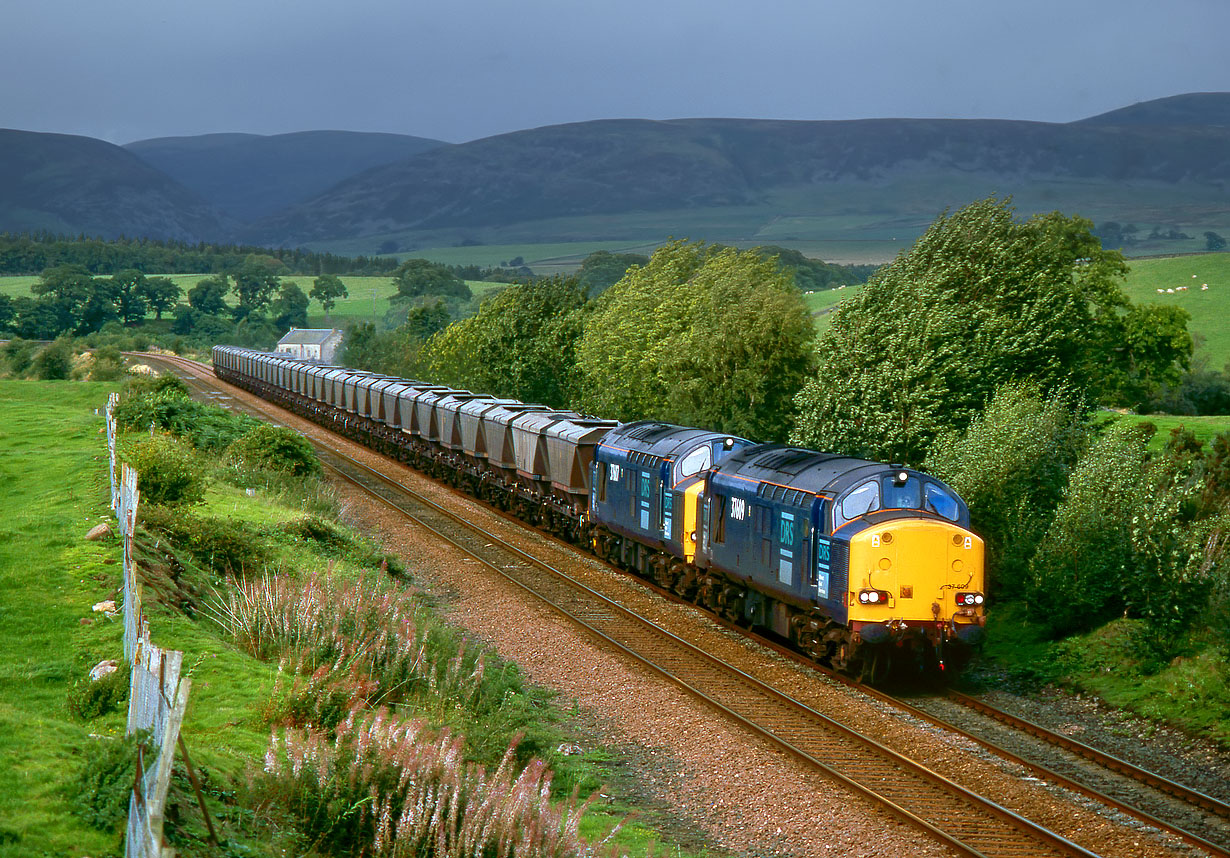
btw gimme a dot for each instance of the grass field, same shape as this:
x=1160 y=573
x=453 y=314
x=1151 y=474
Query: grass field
x=50 y=577
x=1209 y=309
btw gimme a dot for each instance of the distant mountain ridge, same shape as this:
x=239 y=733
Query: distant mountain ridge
x=1164 y=162
x=70 y=184
x=609 y=167
x=250 y=176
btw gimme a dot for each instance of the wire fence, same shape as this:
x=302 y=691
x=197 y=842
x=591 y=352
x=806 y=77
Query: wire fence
x=158 y=695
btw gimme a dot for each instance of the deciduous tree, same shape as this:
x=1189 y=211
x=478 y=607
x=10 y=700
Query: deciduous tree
x=708 y=337
x=979 y=301
x=326 y=289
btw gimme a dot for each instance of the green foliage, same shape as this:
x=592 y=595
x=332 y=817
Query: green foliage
x=256 y=282
x=709 y=337
x=275 y=448
x=18 y=354
x=980 y=300
x=1011 y=466
x=104 y=784
x=1135 y=535
x=326 y=289
x=209 y=295
x=88 y=699
x=166 y=405
x=521 y=344
x=160 y=294
x=603 y=269
x=416 y=278
x=168 y=471
x=289 y=309
x=107 y=365
x=54 y=362
x=224 y=547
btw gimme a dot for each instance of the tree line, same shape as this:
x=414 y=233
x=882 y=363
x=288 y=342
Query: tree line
x=33 y=253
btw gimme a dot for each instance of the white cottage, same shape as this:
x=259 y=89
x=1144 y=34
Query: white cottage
x=318 y=344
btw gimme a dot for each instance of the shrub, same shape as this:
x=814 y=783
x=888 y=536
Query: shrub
x=1011 y=466
x=335 y=540
x=168 y=472
x=54 y=362
x=275 y=448
x=18 y=354
x=1076 y=577
x=88 y=699
x=224 y=547
x=167 y=405
x=108 y=365
x=105 y=780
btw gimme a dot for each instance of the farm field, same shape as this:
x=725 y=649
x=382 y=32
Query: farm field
x=1209 y=309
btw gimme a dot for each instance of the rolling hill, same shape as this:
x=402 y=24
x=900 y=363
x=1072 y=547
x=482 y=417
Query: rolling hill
x=608 y=178
x=250 y=176
x=69 y=184
x=829 y=188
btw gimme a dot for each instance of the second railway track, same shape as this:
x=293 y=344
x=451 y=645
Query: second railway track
x=967 y=822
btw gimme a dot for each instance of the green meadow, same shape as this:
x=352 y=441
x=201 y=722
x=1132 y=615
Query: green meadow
x=1149 y=281
x=51 y=576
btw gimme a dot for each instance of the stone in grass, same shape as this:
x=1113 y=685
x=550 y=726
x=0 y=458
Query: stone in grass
x=106 y=607
x=101 y=531
x=106 y=667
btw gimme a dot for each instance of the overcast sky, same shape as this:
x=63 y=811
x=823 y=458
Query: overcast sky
x=457 y=70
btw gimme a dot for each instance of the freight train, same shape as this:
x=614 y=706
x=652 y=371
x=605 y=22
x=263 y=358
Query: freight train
x=863 y=566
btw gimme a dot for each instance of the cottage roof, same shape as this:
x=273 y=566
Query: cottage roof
x=307 y=336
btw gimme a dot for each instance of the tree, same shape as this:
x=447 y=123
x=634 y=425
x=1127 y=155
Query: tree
x=209 y=295
x=979 y=301
x=705 y=336
x=1213 y=241
x=520 y=344
x=811 y=275
x=67 y=289
x=129 y=288
x=426 y=320
x=326 y=289
x=256 y=282
x=7 y=311
x=602 y=269
x=160 y=294
x=289 y=309
x=415 y=278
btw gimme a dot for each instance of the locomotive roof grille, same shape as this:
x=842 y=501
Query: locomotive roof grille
x=789 y=461
x=651 y=431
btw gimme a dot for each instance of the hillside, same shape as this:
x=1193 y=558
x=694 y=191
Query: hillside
x=577 y=180
x=64 y=183
x=250 y=176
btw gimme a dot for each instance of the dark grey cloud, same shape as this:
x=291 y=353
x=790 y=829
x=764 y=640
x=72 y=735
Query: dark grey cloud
x=128 y=69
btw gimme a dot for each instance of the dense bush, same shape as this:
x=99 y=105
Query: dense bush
x=88 y=699
x=274 y=448
x=166 y=404
x=168 y=471
x=222 y=546
x=1011 y=466
x=54 y=362
x=17 y=355
x=105 y=782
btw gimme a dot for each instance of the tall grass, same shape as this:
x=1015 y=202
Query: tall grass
x=386 y=786
x=362 y=777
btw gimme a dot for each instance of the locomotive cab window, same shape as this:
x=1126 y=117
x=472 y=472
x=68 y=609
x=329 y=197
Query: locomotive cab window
x=941 y=502
x=694 y=462
x=860 y=501
x=902 y=494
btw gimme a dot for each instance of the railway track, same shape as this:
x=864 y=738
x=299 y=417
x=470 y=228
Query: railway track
x=968 y=823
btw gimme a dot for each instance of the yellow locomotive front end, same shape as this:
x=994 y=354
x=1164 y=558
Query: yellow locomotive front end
x=917 y=583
